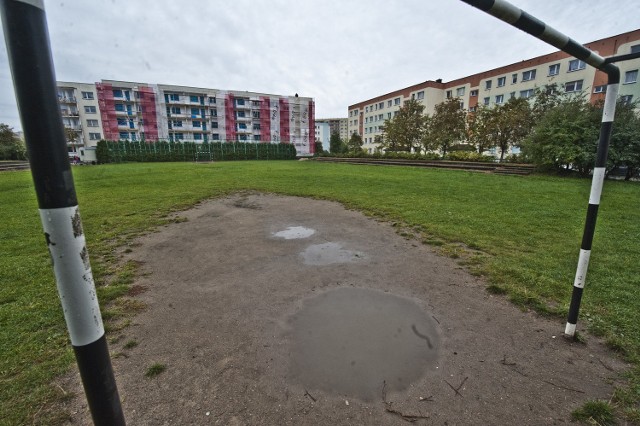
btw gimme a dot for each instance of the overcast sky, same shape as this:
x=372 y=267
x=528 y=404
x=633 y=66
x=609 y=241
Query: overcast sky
x=338 y=52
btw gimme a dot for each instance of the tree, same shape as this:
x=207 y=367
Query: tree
x=355 y=143
x=624 y=148
x=511 y=124
x=566 y=136
x=336 y=145
x=11 y=146
x=446 y=127
x=71 y=136
x=318 y=148
x=479 y=128
x=405 y=131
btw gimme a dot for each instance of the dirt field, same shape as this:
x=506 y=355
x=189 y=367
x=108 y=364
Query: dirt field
x=270 y=310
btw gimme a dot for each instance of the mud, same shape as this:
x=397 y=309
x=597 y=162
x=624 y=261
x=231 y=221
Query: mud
x=230 y=308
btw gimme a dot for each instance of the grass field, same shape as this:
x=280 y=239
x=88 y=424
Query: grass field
x=522 y=234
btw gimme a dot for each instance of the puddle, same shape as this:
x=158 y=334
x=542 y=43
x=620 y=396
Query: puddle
x=328 y=253
x=295 y=232
x=349 y=341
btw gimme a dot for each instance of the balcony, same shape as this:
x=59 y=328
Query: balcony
x=244 y=131
x=67 y=99
x=69 y=113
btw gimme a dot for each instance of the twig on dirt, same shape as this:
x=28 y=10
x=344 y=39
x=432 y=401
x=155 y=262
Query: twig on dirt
x=411 y=418
x=434 y=317
x=504 y=361
x=422 y=336
x=64 y=392
x=563 y=387
x=608 y=367
x=423 y=399
x=457 y=390
x=384 y=391
x=306 y=393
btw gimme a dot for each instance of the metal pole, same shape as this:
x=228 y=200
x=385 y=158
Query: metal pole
x=27 y=39
x=527 y=23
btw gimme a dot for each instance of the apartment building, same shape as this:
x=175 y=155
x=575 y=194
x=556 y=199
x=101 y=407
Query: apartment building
x=337 y=125
x=80 y=113
x=498 y=85
x=323 y=134
x=121 y=110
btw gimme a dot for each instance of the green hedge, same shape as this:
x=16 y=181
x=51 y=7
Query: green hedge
x=127 y=151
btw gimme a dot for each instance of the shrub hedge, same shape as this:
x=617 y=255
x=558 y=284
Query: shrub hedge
x=134 y=151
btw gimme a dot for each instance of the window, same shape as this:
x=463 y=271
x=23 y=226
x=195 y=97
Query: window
x=214 y=112
x=460 y=91
x=94 y=136
x=92 y=123
x=461 y=104
x=175 y=110
x=554 y=69
x=388 y=115
x=133 y=136
x=122 y=121
x=174 y=97
x=239 y=101
x=90 y=109
x=635 y=49
x=381 y=117
x=366 y=109
x=473 y=109
x=626 y=99
x=499 y=99
x=449 y=94
x=212 y=100
x=256 y=137
x=87 y=95
x=366 y=120
x=256 y=114
x=178 y=136
x=389 y=103
x=381 y=105
x=119 y=107
x=514 y=78
x=576 y=65
x=117 y=93
x=123 y=135
x=473 y=93
x=487 y=84
x=526 y=93
x=573 y=86
x=193 y=98
x=242 y=126
x=197 y=124
x=630 y=77
x=600 y=89
x=256 y=126
x=197 y=136
x=512 y=95
x=396 y=101
x=215 y=137
x=239 y=114
x=486 y=100
x=529 y=75
x=421 y=95
x=502 y=81
x=177 y=123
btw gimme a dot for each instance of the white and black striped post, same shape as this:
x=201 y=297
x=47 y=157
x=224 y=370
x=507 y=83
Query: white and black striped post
x=27 y=40
x=527 y=23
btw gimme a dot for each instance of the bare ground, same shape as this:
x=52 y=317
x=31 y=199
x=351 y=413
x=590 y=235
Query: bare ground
x=224 y=295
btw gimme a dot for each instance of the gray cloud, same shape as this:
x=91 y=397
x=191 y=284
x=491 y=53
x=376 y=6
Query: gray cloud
x=338 y=52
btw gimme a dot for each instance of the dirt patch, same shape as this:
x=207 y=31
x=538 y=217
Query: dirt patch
x=226 y=303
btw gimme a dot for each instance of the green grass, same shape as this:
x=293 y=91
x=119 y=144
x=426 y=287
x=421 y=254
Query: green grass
x=155 y=369
x=597 y=413
x=525 y=234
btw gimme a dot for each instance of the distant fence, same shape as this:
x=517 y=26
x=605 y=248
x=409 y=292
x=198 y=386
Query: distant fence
x=126 y=151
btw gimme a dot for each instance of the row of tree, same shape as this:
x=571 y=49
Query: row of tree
x=554 y=129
